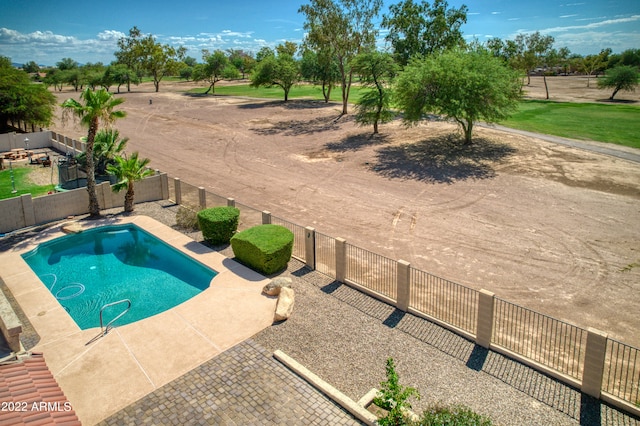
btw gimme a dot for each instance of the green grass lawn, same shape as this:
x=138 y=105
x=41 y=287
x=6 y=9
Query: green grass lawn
x=614 y=123
x=22 y=183
x=296 y=92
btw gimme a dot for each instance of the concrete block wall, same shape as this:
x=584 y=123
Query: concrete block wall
x=24 y=211
x=9 y=141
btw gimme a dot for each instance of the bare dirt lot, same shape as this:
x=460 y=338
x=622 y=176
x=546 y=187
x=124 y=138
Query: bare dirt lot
x=549 y=227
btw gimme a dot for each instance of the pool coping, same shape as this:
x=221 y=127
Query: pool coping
x=115 y=370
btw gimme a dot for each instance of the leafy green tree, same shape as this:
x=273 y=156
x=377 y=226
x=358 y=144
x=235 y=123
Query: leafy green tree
x=127 y=171
x=241 y=60
x=264 y=53
x=146 y=55
x=287 y=48
x=128 y=55
x=281 y=70
x=67 y=64
x=21 y=100
x=190 y=61
x=186 y=73
x=120 y=74
x=342 y=29
x=97 y=107
x=31 y=67
x=158 y=60
x=466 y=86
x=531 y=51
x=555 y=58
x=216 y=67
x=630 y=57
x=592 y=64
x=622 y=77
x=376 y=71
x=72 y=77
x=54 y=78
x=420 y=29
x=320 y=68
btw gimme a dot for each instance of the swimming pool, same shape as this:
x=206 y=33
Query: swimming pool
x=104 y=265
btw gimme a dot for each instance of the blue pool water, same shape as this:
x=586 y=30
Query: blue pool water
x=86 y=271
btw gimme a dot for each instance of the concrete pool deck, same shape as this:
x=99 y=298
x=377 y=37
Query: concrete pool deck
x=106 y=375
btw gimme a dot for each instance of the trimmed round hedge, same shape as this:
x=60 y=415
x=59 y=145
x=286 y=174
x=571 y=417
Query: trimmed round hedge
x=218 y=224
x=264 y=248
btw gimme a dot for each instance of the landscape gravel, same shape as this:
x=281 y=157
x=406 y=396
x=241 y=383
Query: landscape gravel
x=345 y=337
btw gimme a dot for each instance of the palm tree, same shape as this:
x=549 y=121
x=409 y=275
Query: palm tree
x=128 y=170
x=98 y=107
x=106 y=147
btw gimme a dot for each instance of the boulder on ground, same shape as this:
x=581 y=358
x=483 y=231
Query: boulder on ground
x=71 y=228
x=274 y=286
x=284 y=307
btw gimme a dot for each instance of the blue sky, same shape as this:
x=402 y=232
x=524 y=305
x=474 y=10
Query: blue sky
x=46 y=31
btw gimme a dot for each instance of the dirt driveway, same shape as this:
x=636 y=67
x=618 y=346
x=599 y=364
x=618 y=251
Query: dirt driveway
x=549 y=227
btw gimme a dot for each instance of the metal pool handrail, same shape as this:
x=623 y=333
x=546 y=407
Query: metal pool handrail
x=105 y=330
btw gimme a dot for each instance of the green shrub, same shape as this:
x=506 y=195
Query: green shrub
x=456 y=415
x=394 y=397
x=218 y=224
x=264 y=248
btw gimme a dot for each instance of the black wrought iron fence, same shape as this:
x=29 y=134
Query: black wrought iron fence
x=622 y=372
x=557 y=345
x=249 y=217
x=298 y=235
x=546 y=340
x=372 y=271
x=326 y=255
x=444 y=300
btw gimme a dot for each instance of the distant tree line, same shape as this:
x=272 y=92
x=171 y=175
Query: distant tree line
x=424 y=43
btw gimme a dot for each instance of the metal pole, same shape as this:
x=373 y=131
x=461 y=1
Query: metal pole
x=13 y=182
x=26 y=142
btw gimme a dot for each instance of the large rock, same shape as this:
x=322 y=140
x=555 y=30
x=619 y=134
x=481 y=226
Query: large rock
x=273 y=288
x=284 y=307
x=71 y=228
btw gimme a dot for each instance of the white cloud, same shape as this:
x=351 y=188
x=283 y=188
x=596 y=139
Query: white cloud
x=47 y=48
x=590 y=42
x=496 y=13
x=111 y=35
x=229 y=33
x=592 y=25
x=567 y=16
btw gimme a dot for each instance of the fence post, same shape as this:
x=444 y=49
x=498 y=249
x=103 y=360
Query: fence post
x=341 y=259
x=310 y=247
x=178 y=191
x=403 y=289
x=28 y=213
x=231 y=202
x=107 y=195
x=266 y=217
x=202 y=198
x=484 y=325
x=594 y=358
x=164 y=184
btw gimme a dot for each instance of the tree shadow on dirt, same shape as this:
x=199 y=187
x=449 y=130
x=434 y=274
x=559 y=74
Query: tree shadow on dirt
x=357 y=142
x=442 y=159
x=303 y=127
x=294 y=104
